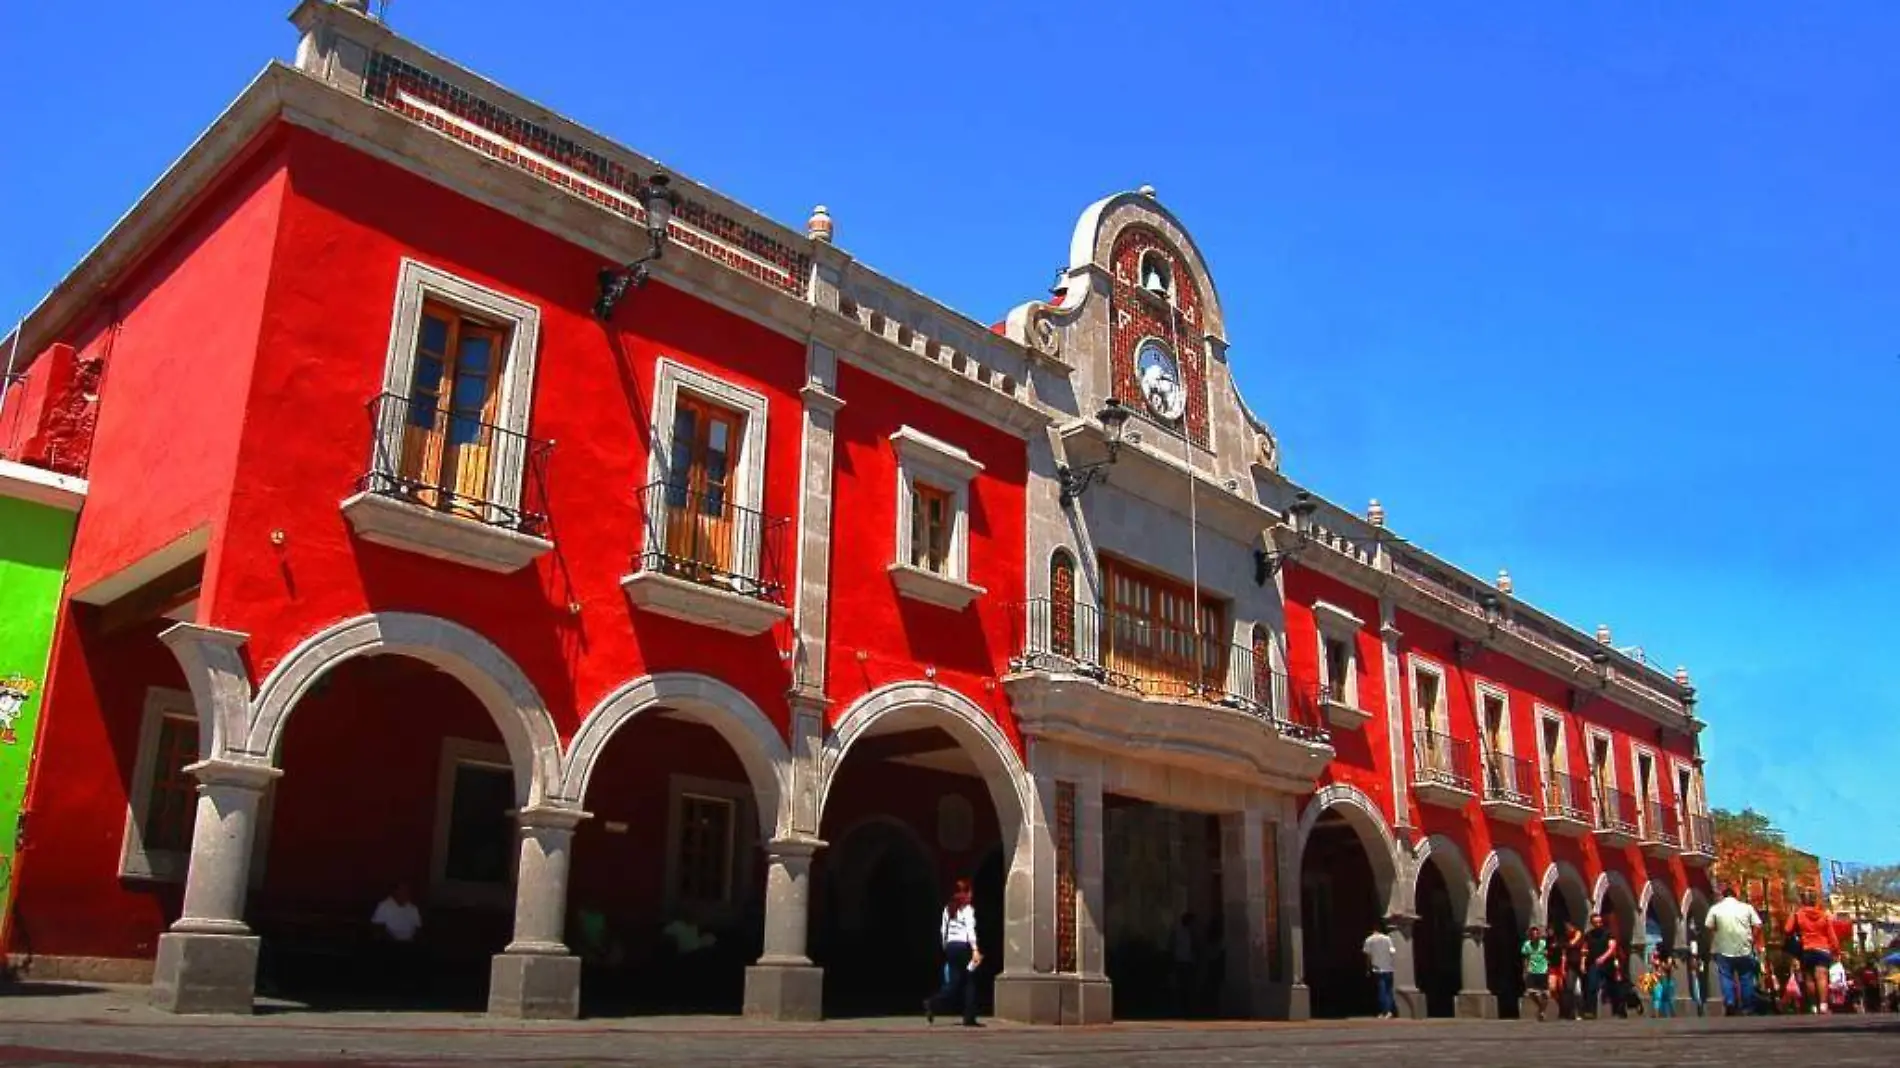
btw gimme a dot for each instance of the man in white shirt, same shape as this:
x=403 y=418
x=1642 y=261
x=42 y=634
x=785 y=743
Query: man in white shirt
x=397 y=921
x=1734 y=937
x=1380 y=956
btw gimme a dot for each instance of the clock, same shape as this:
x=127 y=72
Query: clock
x=1160 y=381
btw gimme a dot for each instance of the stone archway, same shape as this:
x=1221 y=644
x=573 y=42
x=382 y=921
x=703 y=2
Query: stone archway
x=1449 y=961
x=1511 y=905
x=1348 y=874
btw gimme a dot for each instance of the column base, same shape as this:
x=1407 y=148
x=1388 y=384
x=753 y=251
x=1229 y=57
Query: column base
x=1714 y=1008
x=1411 y=1003
x=794 y=992
x=1476 y=1005
x=535 y=986
x=1067 y=1000
x=1286 y=1001
x=200 y=974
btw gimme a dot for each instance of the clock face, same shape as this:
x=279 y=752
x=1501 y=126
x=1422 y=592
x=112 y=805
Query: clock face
x=1160 y=381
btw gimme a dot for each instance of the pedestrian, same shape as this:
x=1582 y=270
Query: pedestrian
x=1664 y=1004
x=1603 y=977
x=1837 y=991
x=956 y=932
x=1811 y=933
x=1380 y=956
x=1185 y=971
x=1536 y=954
x=1734 y=936
x=397 y=921
x=1574 y=971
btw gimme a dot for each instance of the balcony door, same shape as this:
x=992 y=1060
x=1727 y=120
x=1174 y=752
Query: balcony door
x=701 y=459
x=448 y=446
x=1151 y=635
x=1602 y=776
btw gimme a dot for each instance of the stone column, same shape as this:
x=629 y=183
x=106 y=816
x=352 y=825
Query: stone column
x=1397 y=740
x=535 y=977
x=1405 y=992
x=207 y=962
x=1249 y=876
x=1686 y=1004
x=785 y=984
x=1475 y=1000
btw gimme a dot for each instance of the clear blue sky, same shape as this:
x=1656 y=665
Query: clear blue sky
x=1601 y=292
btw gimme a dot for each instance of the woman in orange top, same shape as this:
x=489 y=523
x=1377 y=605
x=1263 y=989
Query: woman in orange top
x=1814 y=925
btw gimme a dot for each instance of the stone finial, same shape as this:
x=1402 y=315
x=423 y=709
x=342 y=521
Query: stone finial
x=1147 y=191
x=1504 y=581
x=1375 y=513
x=1682 y=675
x=361 y=7
x=818 y=227
x=1603 y=634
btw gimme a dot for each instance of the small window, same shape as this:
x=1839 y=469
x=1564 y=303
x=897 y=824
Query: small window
x=704 y=525
x=1425 y=694
x=172 y=804
x=481 y=833
x=1339 y=665
x=162 y=804
x=932 y=520
x=1497 y=730
x=705 y=848
x=1062 y=603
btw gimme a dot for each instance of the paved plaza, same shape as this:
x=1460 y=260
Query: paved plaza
x=47 y=1024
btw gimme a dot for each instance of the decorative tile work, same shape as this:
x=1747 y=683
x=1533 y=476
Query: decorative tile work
x=1270 y=859
x=1065 y=877
x=560 y=161
x=1136 y=315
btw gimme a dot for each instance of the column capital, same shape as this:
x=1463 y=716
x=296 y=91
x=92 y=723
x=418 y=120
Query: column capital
x=550 y=817
x=794 y=846
x=1476 y=931
x=808 y=700
x=243 y=774
x=181 y=634
x=1401 y=920
x=819 y=399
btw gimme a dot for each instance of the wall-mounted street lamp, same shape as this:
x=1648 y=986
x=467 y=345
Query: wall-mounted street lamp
x=659 y=200
x=1077 y=480
x=1267 y=561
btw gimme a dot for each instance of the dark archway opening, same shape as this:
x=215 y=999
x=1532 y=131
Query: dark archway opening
x=1437 y=948
x=394 y=775
x=1339 y=907
x=1161 y=879
x=1503 y=946
x=908 y=814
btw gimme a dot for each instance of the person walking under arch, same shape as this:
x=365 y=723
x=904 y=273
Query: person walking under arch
x=1603 y=979
x=1536 y=954
x=956 y=931
x=1734 y=940
x=1819 y=945
x=1381 y=955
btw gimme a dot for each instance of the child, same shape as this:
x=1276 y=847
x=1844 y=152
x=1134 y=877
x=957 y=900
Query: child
x=1666 y=988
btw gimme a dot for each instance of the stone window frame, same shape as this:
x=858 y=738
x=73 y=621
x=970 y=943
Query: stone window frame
x=942 y=466
x=417 y=284
x=457 y=753
x=1331 y=622
x=671 y=378
x=1438 y=717
x=743 y=844
x=1590 y=737
x=1637 y=752
x=1481 y=689
x=1546 y=714
x=136 y=861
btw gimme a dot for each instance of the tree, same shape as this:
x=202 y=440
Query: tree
x=1870 y=896
x=1752 y=853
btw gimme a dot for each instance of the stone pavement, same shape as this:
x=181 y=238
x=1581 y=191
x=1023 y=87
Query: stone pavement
x=51 y=1024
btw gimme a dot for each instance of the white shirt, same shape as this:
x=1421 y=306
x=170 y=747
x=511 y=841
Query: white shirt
x=401 y=921
x=1379 y=951
x=959 y=926
x=1732 y=923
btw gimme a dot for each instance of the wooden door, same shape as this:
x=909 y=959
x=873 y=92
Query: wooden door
x=699 y=506
x=448 y=438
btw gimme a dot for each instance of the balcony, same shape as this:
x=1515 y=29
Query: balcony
x=448 y=486
x=708 y=561
x=1340 y=711
x=1662 y=831
x=1699 y=846
x=1443 y=770
x=1617 y=817
x=1508 y=781
x=1103 y=681
x=1566 y=808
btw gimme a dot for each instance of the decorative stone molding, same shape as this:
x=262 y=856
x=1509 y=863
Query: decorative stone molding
x=440 y=535
x=932 y=588
x=696 y=602
x=1369 y=823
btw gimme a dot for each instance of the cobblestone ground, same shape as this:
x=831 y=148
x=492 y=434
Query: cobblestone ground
x=113 y=1028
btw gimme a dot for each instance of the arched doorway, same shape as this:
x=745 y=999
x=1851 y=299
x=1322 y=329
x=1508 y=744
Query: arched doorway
x=1346 y=877
x=1617 y=904
x=423 y=811
x=922 y=758
x=1441 y=900
x=1509 y=911
x=1566 y=899
x=666 y=899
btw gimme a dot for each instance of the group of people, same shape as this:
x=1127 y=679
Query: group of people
x=1583 y=969
x=1816 y=978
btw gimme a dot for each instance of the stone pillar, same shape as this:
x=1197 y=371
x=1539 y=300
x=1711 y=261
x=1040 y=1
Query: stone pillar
x=1293 y=1000
x=1250 y=891
x=1686 y=1004
x=785 y=984
x=1475 y=1000
x=1397 y=741
x=535 y=977
x=207 y=962
x=1405 y=992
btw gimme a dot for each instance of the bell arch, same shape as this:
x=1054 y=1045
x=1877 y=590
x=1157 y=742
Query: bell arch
x=527 y=729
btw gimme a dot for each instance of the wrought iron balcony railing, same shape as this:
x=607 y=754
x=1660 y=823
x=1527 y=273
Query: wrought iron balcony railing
x=1566 y=797
x=1663 y=825
x=1617 y=812
x=1509 y=779
x=453 y=462
x=699 y=534
x=1438 y=759
x=1152 y=660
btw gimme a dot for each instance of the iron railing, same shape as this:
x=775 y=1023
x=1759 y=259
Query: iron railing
x=1509 y=778
x=1154 y=660
x=703 y=536
x=1440 y=759
x=454 y=463
x=1701 y=834
x=1663 y=825
x=1617 y=811
x=1567 y=797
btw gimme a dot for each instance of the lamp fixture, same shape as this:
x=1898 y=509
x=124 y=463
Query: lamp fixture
x=1077 y=480
x=659 y=199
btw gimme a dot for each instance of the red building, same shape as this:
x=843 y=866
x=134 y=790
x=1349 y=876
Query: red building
x=669 y=629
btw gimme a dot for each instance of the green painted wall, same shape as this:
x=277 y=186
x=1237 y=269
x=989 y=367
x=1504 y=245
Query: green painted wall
x=34 y=544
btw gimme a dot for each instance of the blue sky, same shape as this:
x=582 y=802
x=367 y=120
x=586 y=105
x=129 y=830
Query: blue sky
x=1600 y=292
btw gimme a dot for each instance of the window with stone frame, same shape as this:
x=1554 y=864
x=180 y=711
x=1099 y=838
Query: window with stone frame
x=932 y=562
x=1062 y=603
x=703 y=868
x=163 y=801
x=1338 y=653
x=481 y=833
x=706 y=474
x=932 y=521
